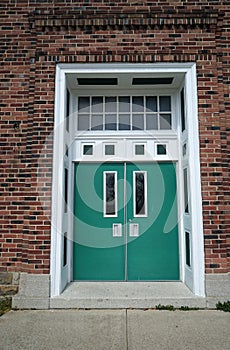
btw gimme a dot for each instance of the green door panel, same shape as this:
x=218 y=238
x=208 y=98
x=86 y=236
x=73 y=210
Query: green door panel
x=154 y=254
x=97 y=254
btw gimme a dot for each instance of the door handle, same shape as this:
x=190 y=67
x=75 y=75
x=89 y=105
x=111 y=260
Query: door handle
x=133 y=230
x=117 y=230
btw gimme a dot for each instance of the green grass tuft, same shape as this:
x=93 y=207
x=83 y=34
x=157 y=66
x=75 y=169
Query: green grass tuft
x=225 y=306
x=5 y=305
x=165 y=307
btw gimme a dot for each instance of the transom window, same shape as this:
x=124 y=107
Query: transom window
x=124 y=113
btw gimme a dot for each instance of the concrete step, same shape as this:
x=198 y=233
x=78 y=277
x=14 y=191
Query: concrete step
x=119 y=295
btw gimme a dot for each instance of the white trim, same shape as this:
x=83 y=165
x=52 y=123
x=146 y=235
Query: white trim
x=125 y=147
x=58 y=170
x=197 y=239
x=125 y=67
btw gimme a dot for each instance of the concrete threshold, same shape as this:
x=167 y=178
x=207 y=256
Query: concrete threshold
x=124 y=295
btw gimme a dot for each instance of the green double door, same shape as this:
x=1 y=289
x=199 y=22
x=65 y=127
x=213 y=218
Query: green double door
x=125 y=222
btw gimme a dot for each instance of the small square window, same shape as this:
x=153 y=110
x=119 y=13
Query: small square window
x=88 y=150
x=109 y=150
x=139 y=150
x=161 y=149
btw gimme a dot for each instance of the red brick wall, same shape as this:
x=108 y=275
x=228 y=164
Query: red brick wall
x=35 y=35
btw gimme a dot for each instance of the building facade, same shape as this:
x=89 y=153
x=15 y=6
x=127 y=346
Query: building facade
x=115 y=145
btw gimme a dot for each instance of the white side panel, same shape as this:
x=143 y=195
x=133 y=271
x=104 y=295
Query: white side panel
x=197 y=243
x=57 y=185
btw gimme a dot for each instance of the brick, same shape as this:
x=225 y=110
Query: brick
x=159 y=31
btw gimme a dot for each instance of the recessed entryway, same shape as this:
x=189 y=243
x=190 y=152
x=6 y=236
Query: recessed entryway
x=120 y=123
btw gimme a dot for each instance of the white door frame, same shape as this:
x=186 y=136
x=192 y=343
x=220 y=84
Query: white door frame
x=60 y=275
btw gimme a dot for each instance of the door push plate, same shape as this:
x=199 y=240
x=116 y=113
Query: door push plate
x=117 y=230
x=133 y=230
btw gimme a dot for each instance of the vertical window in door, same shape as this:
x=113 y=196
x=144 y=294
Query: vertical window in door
x=186 y=194
x=182 y=107
x=67 y=110
x=66 y=191
x=140 y=193
x=187 y=249
x=110 y=194
x=65 y=249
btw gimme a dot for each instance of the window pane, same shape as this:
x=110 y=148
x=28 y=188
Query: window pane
x=110 y=122
x=110 y=194
x=161 y=149
x=187 y=247
x=65 y=249
x=140 y=200
x=151 y=122
x=66 y=191
x=165 y=103
x=88 y=150
x=67 y=109
x=184 y=149
x=138 y=122
x=97 y=122
x=124 y=104
x=151 y=104
x=83 y=104
x=182 y=110
x=165 y=121
x=140 y=149
x=109 y=150
x=83 y=122
x=97 y=104
x=186 y=209
x=138 y=104
x=111 y=104
x=124 y=122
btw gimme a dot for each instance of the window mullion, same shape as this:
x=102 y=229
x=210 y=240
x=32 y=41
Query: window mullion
x=137 y=116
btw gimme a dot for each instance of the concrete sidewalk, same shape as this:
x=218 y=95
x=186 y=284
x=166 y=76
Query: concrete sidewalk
x=115 y=330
